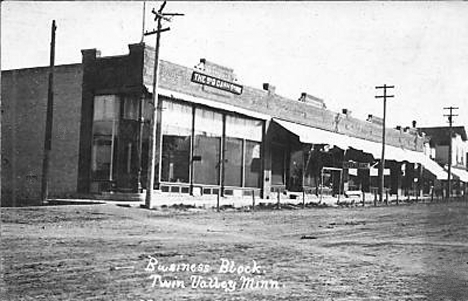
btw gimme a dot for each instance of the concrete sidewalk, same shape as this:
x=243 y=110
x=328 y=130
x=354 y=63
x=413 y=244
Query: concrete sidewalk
x=210 y=201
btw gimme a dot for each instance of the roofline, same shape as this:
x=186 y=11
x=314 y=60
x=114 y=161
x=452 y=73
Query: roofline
x=41 y=67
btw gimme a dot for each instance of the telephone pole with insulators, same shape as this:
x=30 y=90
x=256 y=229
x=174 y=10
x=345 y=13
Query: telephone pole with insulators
x=450 y=116
x=382 y=160
x=159 y=16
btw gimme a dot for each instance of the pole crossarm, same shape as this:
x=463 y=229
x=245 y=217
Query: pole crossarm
x=148 y=33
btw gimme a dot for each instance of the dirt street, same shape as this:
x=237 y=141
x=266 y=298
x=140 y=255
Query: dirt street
x=107 y=252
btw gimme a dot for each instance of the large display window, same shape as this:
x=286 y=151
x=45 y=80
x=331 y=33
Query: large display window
x=176 y=140
x=202 y=146
x=207 y=146
x=105 y=123
x=242 y=152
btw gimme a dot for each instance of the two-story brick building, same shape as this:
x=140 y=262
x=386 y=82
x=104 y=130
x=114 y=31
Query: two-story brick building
x=213 y=134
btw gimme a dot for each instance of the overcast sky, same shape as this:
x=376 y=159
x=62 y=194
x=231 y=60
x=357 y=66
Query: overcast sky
x=338 y=51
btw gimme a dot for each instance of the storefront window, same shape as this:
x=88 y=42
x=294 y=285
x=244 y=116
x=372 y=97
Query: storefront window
x=131 y=107
x=242 y=152
x=105 y=123
x=176 y=127
x=233 y=162
x=208 y=133
x=252 y=164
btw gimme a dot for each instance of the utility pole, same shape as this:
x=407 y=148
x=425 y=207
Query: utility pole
x=143 y=22
x=382 y=160
x=450 y=121
x=49 y=121
x=158 y=17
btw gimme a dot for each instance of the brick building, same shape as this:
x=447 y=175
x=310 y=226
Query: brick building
x=213 y=135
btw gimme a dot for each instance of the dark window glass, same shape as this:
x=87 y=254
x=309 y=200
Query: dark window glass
x=243 y=137
x=277 y=165
x=177 y=129
x=130 y=109
x=296 y=165
x=233 y=162
x=176 y=156
x=105 y=129
x=101 y=158
x=208 y=133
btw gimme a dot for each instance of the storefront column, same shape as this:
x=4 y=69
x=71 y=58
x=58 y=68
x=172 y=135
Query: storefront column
x=266 y=162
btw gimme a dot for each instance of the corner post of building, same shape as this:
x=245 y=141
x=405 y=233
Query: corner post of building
x=222 y=158
x=89 y=58
x=266 y=161
x=192 y=149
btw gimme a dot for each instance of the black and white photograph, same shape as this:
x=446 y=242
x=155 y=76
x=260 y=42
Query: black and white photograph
x=234 y=150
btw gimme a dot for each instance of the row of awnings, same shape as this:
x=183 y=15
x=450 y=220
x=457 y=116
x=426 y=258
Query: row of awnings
x=312 y=135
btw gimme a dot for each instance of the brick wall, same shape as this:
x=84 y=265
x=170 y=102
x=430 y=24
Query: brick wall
x=24 y=101
x=178 y=78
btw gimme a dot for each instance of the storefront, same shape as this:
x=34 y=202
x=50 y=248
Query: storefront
x=216 y=136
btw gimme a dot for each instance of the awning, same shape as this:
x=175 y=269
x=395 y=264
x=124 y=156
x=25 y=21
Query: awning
x=309 y=134
x=460 y=173
x=431 y=165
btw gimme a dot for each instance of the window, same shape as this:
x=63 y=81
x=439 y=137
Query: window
x=105 y=123
x=242 y=152
x=177 y=130
x=105 y=107
x=101 y=158
x=277 y=165
x=233 y=161
x=131 y=107
x=208 y=133
x=252 y=164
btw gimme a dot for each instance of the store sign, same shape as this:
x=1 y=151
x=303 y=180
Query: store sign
x=356 y=165
x=217 y=83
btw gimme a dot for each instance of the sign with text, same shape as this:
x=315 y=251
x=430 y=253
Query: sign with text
x=356 y=165
x=216 y=83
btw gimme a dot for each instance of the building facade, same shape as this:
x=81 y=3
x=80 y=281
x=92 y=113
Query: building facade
x=213 y=135
x=439 y=141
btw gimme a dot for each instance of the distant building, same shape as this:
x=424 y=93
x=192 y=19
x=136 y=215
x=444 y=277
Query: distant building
x=439 y=140
x=214 y=135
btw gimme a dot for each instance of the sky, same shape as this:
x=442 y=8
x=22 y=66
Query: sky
x=337 y=51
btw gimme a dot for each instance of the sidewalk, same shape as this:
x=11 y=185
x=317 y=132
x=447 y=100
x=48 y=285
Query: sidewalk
x=211 y=201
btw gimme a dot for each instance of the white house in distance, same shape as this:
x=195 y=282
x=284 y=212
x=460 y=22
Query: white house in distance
x=439 y=141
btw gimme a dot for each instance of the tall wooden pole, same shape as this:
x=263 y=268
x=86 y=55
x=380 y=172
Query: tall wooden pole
x=449 y=176
x=154 y=115
x=49 y=121
x=159 y=15
x=382 y=159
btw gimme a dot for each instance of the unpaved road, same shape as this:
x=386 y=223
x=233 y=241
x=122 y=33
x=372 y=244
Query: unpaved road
x=100 y=252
